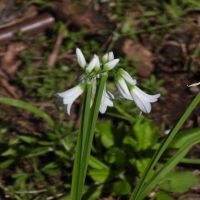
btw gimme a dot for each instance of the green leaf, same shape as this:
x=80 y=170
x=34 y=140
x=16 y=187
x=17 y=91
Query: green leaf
x=96 y=163
x=61 y=154
x=141 y=165
x=179 y=182
x=115 y=156
x=21 y=177
x=92 y=193
x=27 y=139
x=104 y=128
x=130 y=141
x=2 y=132
x=27 y=106
x=99 y=175
x=145 y=133
x=184 y=137
x=122 y=188
x=51 y=165
x=9 y=152
x=6 y=164
x=172 y=162
x=163 y=196
x=143 y=188
x=39 y=151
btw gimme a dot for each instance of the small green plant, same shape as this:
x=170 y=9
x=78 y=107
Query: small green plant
x=98 y=99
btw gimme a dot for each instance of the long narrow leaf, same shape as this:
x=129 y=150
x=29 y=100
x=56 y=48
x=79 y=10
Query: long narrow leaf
x=177 y=157
x=76 y=189
x=92 y=124
x=164 y=145
x=27 y=106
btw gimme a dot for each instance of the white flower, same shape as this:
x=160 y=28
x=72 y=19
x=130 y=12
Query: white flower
x=98 y=64
x=80 y=58
x=142 y=99
x=123 y=89
x=94 y=63
x=127 y=77
x=108 y=57
x=69 y=96
x=111 y=64
x=106 y=101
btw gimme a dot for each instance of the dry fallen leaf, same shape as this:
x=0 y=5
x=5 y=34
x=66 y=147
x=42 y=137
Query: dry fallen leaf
x=144 y=57
x=10 y=63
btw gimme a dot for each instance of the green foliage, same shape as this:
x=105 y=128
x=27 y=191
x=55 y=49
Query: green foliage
x=27 y=106
x=37 y=164
x=145 y=134
x=163 y=196
x=179 y=182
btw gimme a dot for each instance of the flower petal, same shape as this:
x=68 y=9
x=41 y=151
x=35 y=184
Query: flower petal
x=105 y=102
x=142 y=105
x=127 y=77
x=69 y=96
x=123 y=89
x=80 y=58
x=111 y=64
x=69 y=108
x=98 y=64
x=146 y=97
x=92 y=64
x=108 y=57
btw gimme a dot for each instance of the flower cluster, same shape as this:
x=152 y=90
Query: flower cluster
x=126 y=85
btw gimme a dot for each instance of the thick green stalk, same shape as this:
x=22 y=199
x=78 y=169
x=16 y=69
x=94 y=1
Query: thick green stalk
x=163 y=147
x=92 y=124
x=75 y=194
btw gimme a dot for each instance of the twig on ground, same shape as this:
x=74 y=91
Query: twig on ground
x=54 y=55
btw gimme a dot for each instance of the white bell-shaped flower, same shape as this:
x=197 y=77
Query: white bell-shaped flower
x=80 y=58
x=123 y=88
x=69 y=96
x=142 y=99
x=106 y=101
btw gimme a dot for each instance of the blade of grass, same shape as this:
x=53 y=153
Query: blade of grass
x=177 y=157
x=76 y=176
x=163 y=147
x=29 y=107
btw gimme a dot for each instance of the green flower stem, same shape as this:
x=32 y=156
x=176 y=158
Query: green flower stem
x=75 y=194
x=91 y=127
x=164 y=145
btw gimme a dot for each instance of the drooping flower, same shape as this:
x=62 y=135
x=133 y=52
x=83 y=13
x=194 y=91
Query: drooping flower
x=123 y=88
x=128 y=90
x=123 y=79
x=69 y=96
x=106 y=101
x=142 y=99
